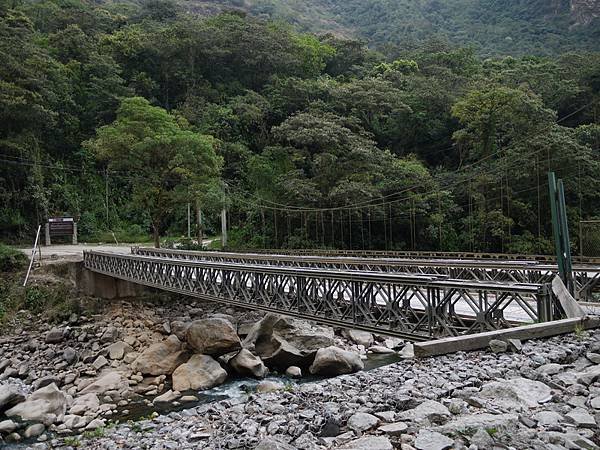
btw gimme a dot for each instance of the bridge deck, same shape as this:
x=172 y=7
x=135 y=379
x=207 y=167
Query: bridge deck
x=414 y=306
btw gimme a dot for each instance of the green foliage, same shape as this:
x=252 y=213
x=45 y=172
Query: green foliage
x=11 y=259
x=123 y=114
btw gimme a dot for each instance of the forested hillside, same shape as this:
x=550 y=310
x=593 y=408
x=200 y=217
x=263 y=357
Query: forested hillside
x=492 y=27
x=122 y=115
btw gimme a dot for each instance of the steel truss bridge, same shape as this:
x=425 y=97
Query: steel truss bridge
x=586 y=277
x=409 y=305
x=412 y=254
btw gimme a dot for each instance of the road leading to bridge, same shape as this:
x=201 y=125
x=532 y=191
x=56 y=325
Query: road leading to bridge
x=413 y=306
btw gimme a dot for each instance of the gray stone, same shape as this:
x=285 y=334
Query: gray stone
x=7 y=426
x=109 y=335
x=595 y=402
x=10 y=395
x=54 y=336
x=359 y=337
x=335 y=361
x=245 y=363
x=100 y=362
x=167 y=397
x=498 y=346
x=514 y=345
x=369 y=443
x=549 y=369
x=96 y=423
x=359 y=422
x=482 y=439
x=69 y=355
x=408 y=351
x=44 y=405
x=516 y=393
x=394 y=429
x=269 y=386
x=432 y=440
x=33 y=430
x=118 y=350
x=547 y=418
x=161 y=358
x=589 y=376
x=87 y=403
x=282 y=342
x=111 y=381
x=581 y=418
x=469 y=422
x=428 y=410
x=199 y=373
x=381 y=350
x=273 y=444
x=293 y=372
x=213 y=336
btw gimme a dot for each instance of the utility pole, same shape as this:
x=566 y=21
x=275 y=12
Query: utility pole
x=560 y=230
x=189 y=221
x=106 y=194
x=224 y=228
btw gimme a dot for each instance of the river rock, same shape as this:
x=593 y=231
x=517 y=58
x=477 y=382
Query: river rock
x=295 y=372
x=429 y=410
x=380 y=350
x=394 y=429
x=369 y=443
x=33 y=430
x=179 y=329
x=199 y=373
x=359 y=337
x=269 y=386
x=273 y=444
x=282 y=342
x=54 y=336
x=516 y=393
x=359 y=422
x=214 y=336
x=432 y=440
x=74 y=422
x=581 y=418
x=111 y=381
x=245 y=363
x=335 y=361
x=44 y=405
x=10 y=395
x=85 y=403
x=7 y=426
x=109 y=335
x=118 y=350
x=498 y=346
x=161 y=358
x=168 y=397
x=69 y=355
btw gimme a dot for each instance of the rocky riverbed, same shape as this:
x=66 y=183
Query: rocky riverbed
x=545 y=395
x=201 y=375
x=156 y=354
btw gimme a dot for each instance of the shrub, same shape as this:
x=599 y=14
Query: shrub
x=11 y=259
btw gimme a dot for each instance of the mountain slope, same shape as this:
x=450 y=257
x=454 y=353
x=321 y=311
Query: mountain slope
x=493 y=27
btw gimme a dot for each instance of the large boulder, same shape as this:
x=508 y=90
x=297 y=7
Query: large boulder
x=161 y=358
x=200 y=372
x=214 y=336
x=44 y=405
x=282 y=342
x=335 y=361
x=359 y=337
x=245 y=363
x=10 y=395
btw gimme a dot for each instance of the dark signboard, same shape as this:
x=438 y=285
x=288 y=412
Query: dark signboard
x=61 y=226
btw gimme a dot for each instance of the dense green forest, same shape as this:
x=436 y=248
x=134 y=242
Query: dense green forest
x=491 y=27
x=122 y=115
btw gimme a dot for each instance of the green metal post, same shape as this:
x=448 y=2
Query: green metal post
x=560 y=230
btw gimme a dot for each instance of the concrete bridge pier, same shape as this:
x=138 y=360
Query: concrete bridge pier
x=107 y=287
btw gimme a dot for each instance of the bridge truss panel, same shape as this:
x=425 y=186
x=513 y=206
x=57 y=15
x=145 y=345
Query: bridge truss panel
x=586 y=277
x=412 y=306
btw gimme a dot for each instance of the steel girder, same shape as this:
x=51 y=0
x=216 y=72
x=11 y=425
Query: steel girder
x=587 y=278
x=412 y=306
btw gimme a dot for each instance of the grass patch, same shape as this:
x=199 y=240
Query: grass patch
x=11 y=260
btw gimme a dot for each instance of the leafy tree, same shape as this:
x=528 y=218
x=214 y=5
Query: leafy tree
x=165 y=159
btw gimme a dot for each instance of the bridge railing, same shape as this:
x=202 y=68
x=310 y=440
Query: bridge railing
x=586 y=277
x=413 y=306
